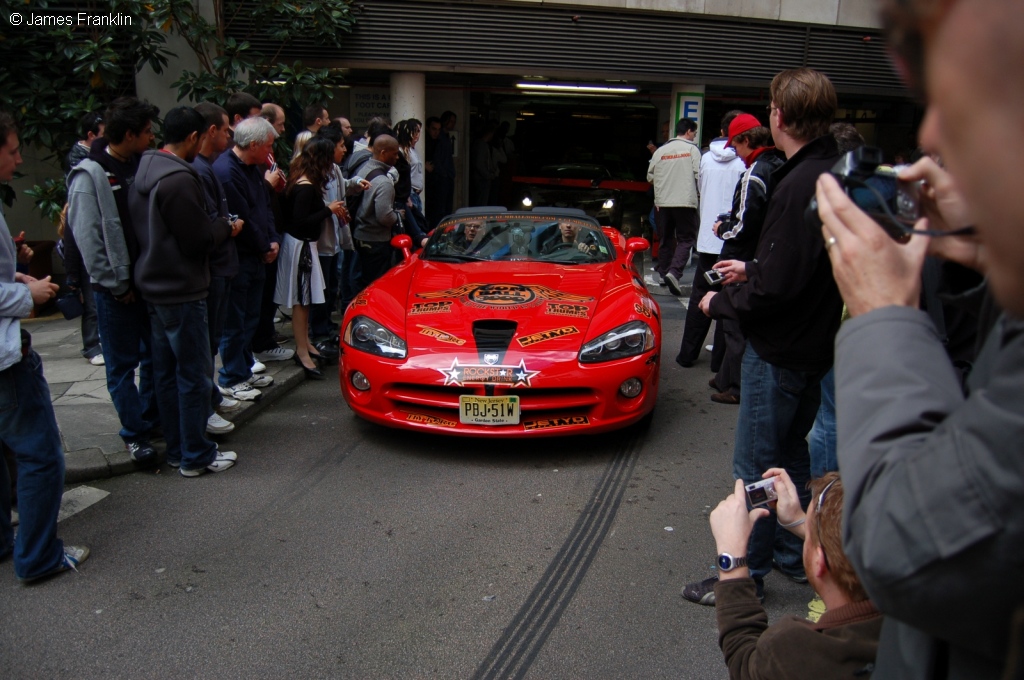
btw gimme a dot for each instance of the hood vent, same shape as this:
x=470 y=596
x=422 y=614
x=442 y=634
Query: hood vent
x=493 y=336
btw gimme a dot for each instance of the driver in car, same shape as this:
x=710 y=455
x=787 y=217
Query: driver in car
x=463 y=239
x=571 y=235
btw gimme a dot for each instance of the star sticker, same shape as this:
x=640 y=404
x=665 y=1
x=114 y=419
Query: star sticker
x=453 y=375
x=523 y=375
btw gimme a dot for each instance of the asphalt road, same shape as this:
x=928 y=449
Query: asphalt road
x=339 y=549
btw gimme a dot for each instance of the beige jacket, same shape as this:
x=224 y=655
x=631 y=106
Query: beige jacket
x=673 y=172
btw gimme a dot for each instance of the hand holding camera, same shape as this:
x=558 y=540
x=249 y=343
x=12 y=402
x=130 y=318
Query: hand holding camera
x=871 y=270
x=787 y=502
x=946 y=211
x=731 y=524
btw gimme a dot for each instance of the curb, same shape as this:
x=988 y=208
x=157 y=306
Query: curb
x=88 y=465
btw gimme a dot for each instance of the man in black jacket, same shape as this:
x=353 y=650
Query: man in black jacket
x=176 y=237
x=789 y=309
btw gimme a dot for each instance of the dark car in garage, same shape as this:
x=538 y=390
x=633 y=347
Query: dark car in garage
x=612 y=197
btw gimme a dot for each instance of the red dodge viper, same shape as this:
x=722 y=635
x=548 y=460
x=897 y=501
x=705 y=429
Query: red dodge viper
x=506 y=324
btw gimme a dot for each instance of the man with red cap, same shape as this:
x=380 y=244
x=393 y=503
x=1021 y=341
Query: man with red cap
x=752 y=142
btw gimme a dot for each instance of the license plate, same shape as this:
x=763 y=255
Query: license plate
x=475 y=410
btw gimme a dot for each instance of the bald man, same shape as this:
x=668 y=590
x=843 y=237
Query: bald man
x=275 y=116
x=376 y=218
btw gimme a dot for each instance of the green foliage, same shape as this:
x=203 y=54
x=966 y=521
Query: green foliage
x=49 y=198
x=231 y=63
x=53 y=75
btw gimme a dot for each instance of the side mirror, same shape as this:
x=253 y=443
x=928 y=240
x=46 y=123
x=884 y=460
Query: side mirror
x=635 y=245
x=403 y=242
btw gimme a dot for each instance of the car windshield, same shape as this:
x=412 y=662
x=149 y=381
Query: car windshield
x=521 y=238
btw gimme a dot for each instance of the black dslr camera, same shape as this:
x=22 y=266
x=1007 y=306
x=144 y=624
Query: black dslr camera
x=894 y=204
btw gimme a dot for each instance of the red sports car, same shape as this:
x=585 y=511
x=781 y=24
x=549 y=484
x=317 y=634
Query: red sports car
x=506 y=324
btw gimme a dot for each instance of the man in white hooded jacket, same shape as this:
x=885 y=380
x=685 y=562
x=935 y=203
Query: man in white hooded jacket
x=720 y=170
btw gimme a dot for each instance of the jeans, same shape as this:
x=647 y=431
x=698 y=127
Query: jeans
x=776 y=413
x=320 y=315
x=28 y=427
x=263 y=338
x=183 y=369
x=346 y=279
x=216 y=310
x=240 y=322
x=126 y=337
x=822 y=439
x=90 y=326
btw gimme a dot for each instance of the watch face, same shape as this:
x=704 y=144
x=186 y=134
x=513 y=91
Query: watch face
x=724 y=562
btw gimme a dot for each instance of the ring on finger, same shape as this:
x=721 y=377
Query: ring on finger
x=831 y=241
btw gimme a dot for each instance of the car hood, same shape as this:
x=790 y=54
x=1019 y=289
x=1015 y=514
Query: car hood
x=549 y=305
x=536 y=306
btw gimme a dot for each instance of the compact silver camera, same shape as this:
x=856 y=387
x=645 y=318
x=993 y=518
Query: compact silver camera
x=713 y=277
x=761 y=493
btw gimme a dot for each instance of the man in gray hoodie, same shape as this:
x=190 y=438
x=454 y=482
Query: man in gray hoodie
x=376 y=215
x=98 y=216
x=176 y=236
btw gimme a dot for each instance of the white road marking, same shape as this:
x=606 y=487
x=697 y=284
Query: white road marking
x=78 y=499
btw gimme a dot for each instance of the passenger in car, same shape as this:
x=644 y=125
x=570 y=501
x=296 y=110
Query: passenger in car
x=568 y=235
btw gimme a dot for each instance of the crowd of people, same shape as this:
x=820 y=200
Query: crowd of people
x=188 y=251
x=894 y=497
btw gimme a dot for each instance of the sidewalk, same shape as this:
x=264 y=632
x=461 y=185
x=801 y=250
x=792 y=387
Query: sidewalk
x=88 y=423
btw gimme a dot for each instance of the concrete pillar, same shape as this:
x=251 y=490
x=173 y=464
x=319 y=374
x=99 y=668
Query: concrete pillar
x=408 y=96
x=408 y=100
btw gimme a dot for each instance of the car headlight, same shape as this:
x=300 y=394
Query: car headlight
x=608 y=204
x=363 y=333
x=628 y=340
x=527 y=202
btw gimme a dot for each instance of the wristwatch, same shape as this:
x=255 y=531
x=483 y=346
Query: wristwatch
x=727 y=562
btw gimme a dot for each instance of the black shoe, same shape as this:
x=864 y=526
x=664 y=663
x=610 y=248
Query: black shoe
x=314 y=373
x=702 y=592
x=725 y=398
x=328 y=352
x=684 y=364
x=141 y=451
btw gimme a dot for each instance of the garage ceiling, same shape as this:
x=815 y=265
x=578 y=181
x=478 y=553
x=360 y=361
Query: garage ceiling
x=588 y=43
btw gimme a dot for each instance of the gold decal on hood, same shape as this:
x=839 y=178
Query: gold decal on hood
x=440 y=335
x=528 y=340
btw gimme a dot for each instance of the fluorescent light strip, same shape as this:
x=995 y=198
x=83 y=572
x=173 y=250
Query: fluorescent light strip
x=552 y=87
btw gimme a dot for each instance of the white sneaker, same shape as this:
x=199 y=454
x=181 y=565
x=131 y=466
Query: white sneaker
x=652 y=280
x=258 y=366
x=223 y=461
x=242 y=391
x=97 y=360
x=276 y=354
x=217 y=425
x=229 y=405
x=260 y=380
